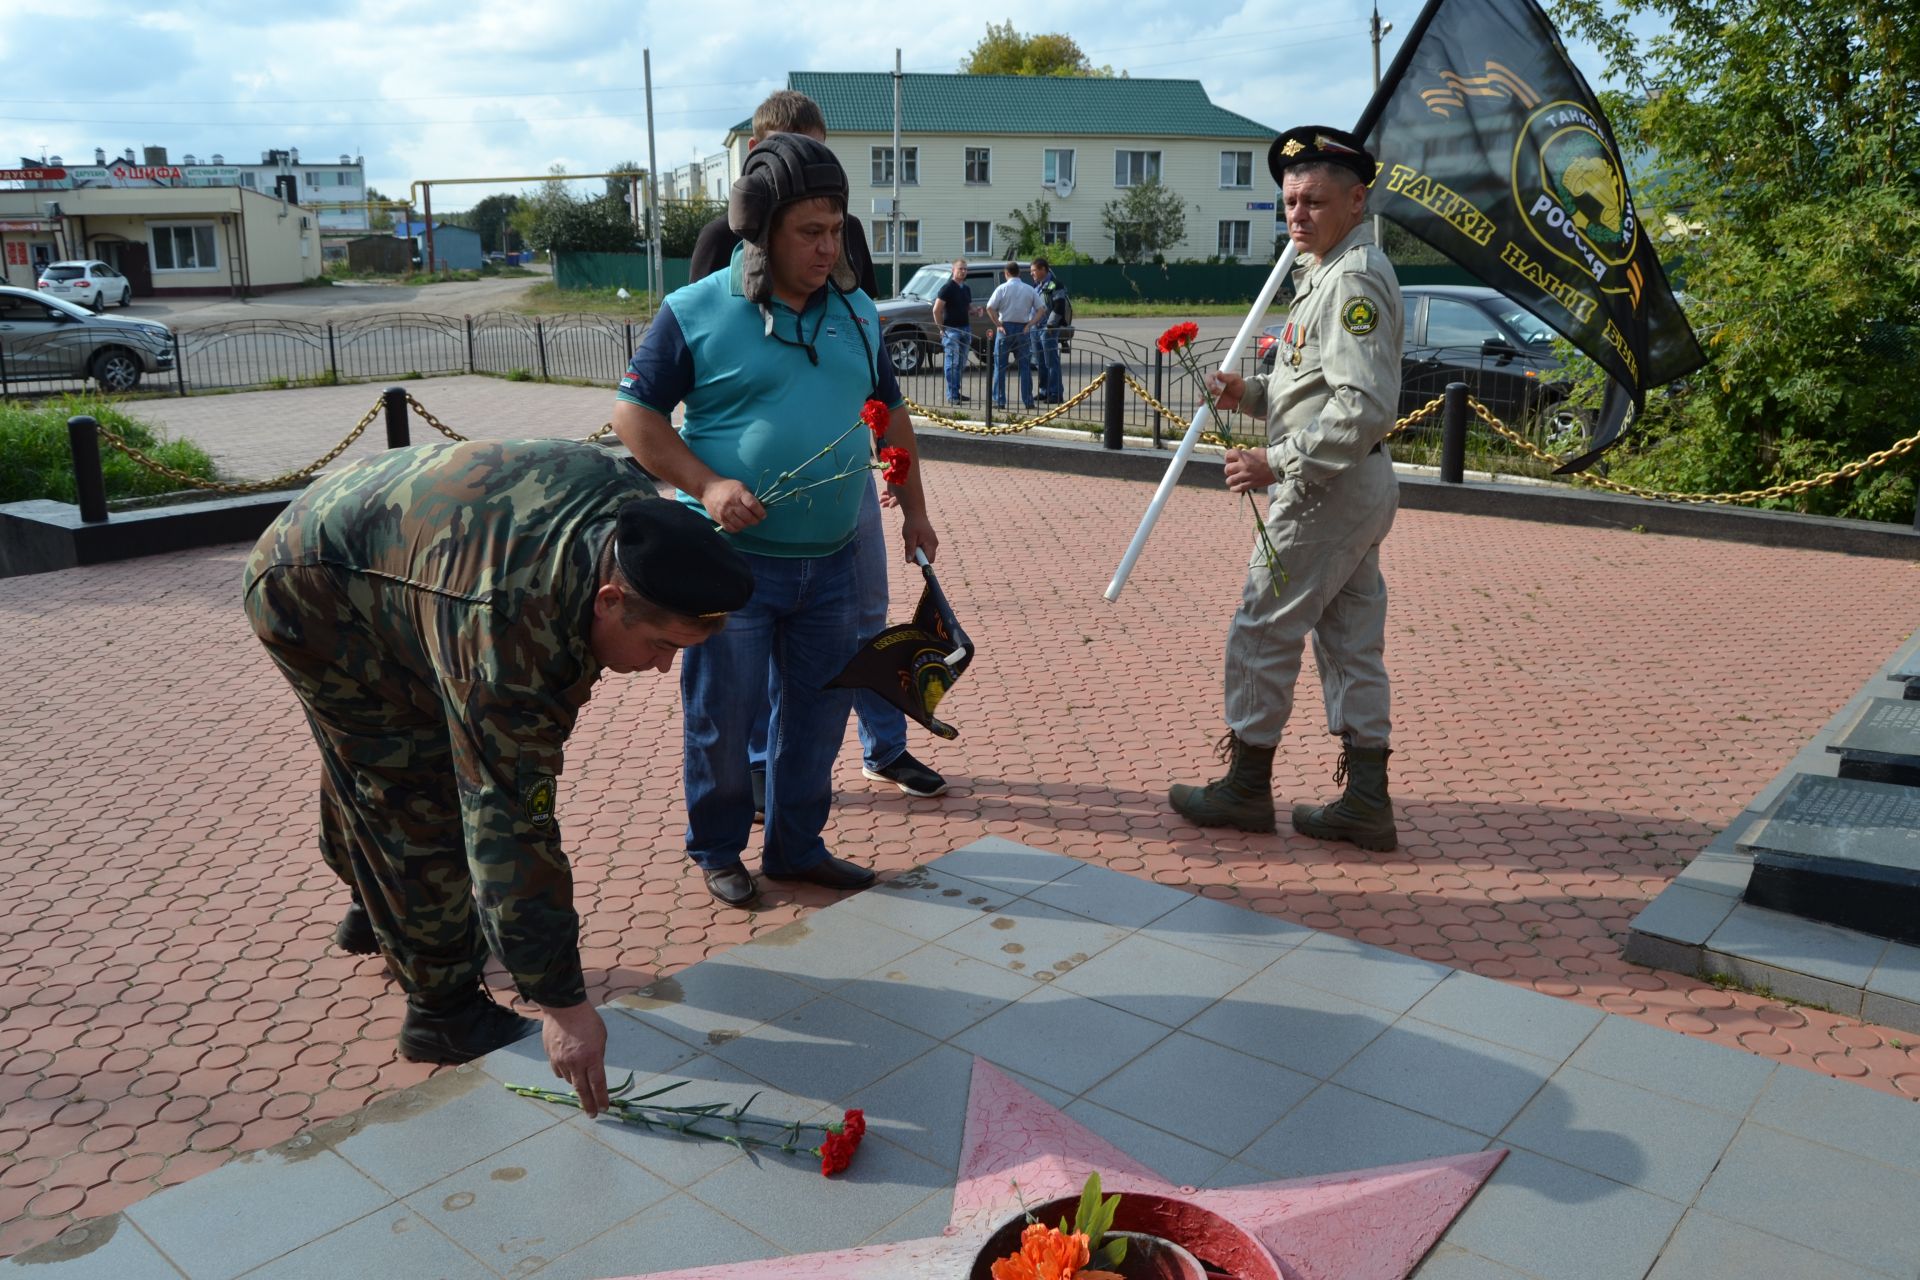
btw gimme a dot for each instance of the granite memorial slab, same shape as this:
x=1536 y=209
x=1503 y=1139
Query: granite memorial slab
x=1881 y=743
x=1841 y=851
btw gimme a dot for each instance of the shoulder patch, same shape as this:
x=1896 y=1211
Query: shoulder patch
x=539 y=800
x=1360 y=316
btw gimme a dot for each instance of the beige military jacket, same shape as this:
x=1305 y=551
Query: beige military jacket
x=1336 y=373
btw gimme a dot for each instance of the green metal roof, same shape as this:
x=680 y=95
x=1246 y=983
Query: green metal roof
x=862 y=102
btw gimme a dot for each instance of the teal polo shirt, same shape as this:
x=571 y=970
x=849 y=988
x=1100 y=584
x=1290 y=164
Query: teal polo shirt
x=758 y=406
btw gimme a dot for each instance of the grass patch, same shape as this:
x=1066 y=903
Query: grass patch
x=549 y=299
x=36 y=463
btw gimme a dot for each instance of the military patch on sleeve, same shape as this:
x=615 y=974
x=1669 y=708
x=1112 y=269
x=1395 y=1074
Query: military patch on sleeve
x=1360 y=316
x=539 y=801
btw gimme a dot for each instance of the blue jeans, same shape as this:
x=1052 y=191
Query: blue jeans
x=954 y=344
x=883 y=726
x=1013 y=341
x=1046 y=361
x=794 y=634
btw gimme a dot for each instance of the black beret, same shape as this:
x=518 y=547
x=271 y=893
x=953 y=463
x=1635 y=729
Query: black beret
x=1322 y=143
x=674 y=557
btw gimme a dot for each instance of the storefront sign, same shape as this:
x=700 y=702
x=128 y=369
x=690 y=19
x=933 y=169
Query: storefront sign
x=32 y=175
x=25 y=224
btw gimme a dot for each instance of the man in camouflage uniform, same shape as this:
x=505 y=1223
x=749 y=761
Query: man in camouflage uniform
x=1329 y=404
x=442 y=613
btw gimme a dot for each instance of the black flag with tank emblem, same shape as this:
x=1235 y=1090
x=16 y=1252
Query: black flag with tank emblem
x=914 y=664
x=1494 y=151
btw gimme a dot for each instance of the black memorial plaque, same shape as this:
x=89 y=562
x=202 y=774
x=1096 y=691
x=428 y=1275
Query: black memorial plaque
x=1844 y=852
x=1882 y=744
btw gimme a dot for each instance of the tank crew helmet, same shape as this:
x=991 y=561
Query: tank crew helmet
x=783 y=168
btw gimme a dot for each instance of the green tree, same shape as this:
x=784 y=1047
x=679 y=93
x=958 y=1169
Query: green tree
x=1024 y=236
x=1006 y=52
x=490 y=217
x=1145 y=222
x=554 y=218
x=681 y=221
x=381 y=219
x=1784 y=142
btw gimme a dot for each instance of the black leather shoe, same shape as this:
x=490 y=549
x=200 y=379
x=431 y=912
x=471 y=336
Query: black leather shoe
x=732 y=885
x=355 y=934
x=829 y=873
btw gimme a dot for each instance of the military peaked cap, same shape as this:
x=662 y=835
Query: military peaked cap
x=1318 y=142
x=674 y=557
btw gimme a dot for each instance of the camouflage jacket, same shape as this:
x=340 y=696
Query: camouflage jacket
x=474 y=566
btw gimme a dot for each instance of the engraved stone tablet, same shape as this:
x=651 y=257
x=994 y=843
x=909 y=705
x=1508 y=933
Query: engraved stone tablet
x=1844 y=852
x=1882 y=744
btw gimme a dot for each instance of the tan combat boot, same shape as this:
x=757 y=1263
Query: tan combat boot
x=1243 y=799
x=1363 y=815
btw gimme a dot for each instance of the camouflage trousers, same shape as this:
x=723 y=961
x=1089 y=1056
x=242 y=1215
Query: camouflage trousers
x=390 y=824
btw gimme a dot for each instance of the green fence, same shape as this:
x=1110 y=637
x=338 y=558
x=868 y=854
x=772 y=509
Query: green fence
x=1173 y=282
x=613 y=270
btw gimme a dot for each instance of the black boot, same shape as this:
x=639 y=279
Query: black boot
x=355 y=934
x=1363 y=815
x=459 y=1027
x=1243 y=798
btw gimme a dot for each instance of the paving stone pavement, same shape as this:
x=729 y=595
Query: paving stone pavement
x=1578 y=712
x=1216 y=1046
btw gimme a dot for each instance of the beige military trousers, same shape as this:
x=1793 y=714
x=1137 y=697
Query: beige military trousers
x=1328 y=536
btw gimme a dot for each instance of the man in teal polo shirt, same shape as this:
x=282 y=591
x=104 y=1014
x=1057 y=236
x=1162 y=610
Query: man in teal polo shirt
x=773 y=360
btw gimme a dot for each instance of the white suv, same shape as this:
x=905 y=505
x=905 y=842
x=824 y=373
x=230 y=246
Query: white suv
x=88 y=282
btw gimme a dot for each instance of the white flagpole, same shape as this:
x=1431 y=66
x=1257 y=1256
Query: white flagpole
x=1200 y=419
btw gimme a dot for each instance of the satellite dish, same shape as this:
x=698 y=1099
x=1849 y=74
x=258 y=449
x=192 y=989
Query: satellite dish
x=1063 y=187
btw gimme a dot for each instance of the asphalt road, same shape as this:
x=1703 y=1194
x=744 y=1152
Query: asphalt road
x=339 y=302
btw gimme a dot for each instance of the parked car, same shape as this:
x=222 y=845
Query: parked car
x=1475 y=335
x=906 y=320
x=89 y=282
x=45 y=338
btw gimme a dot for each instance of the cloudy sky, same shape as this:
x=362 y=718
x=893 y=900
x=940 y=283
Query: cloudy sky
x=431 y=89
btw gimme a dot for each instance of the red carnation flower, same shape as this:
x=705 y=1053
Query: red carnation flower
x=897 y=462
x=876 y=416
x=855 y=1125
x=1178 y=336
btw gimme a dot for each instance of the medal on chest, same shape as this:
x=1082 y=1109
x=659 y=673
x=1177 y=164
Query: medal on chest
x=1293 y=337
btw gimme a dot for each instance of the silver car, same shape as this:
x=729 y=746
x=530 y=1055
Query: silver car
x=46 y=339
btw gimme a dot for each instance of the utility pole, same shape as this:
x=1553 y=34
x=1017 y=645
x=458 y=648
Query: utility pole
x=898 y=163
x=1380 y=30
x=655 y=265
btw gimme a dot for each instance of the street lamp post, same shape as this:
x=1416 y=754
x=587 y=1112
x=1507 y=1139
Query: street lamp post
x=1380 y=30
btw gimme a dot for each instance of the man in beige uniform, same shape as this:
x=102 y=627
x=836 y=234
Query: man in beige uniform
x=1329 y=404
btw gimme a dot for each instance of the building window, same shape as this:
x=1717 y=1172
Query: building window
x=909 y=235
x=1235 y=242
x=979 y=237
x=313 y=179
x=1131 y=168
x=1059 y=232
x=883 y=166
x=979 y=165
x=184 y=247
x=246 y=178
x=1057 y=167
x=1236 y=168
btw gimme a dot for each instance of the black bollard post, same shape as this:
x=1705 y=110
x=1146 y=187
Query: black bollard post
x=83 y=440
x=1453 y=434
x=1116 y=404
x=395 y=399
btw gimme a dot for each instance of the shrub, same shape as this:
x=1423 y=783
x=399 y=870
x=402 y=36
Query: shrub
x=36 y=463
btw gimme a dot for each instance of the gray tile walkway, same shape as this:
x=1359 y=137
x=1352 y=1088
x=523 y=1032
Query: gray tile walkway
x=1699 y=923
x=1227 y=1048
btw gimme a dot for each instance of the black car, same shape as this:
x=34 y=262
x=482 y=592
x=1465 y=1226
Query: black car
x=1475 y=335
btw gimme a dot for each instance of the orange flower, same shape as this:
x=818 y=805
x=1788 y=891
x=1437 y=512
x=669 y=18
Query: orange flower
x=1048 y=1254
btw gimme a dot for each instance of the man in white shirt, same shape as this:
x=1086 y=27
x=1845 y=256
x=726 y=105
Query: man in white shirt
x=1012 y=308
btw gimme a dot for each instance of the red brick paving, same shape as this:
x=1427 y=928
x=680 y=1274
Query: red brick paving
x=1578 y=712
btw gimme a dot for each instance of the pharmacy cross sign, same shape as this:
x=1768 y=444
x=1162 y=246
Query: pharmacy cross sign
x=1372 y=1224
